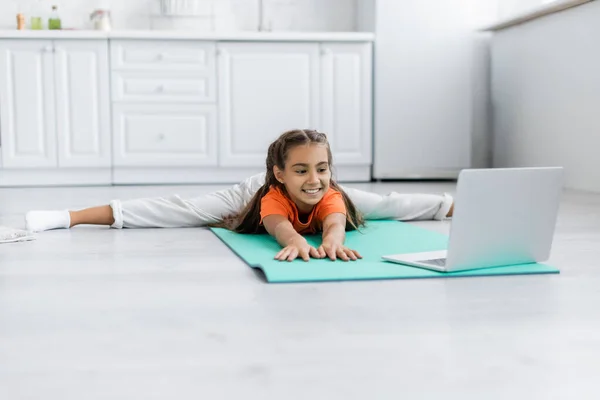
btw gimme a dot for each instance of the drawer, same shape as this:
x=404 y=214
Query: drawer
x=171 y=55
x=162 y=87
x=152 y=135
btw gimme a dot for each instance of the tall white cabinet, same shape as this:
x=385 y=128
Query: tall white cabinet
x=155 y=110
x=54 y=109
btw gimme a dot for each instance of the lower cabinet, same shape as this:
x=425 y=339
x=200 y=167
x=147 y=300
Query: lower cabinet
x=164 y=135
x=54 y=104
x=268 y=88
x=178 y=111
x=264 y=90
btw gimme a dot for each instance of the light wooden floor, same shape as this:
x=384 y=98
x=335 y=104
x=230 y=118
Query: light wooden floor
x=95 y=313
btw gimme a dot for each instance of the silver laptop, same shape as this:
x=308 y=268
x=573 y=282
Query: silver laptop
x=502 y=216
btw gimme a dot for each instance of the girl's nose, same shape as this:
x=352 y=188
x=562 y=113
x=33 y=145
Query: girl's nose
x=313 y=177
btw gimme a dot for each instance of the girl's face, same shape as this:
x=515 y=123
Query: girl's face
x=306 y=175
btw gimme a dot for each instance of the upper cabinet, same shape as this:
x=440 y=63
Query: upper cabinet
x=55 y=103
x=268 y=88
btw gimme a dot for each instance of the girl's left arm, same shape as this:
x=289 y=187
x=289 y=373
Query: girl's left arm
x=334 y=235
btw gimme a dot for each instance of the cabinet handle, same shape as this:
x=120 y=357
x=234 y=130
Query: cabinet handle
x=161 y=137
x=160 y=89
x=48 y=49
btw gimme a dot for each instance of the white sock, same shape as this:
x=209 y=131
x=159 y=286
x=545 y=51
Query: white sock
x=37 y=221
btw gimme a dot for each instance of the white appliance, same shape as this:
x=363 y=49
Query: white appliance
x=429 y=87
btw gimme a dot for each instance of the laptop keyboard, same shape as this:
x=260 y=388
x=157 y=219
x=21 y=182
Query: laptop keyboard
x=436 y=261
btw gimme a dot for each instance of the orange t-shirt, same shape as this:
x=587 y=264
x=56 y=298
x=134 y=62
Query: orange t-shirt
x=276 y=202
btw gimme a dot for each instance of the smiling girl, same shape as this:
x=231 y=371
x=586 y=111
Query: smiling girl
x=300 y=197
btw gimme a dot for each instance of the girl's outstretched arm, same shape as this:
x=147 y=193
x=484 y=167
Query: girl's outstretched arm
x=334 y=235
x=293 y=243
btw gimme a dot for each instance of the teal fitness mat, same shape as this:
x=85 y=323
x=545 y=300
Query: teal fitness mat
x=376 y=239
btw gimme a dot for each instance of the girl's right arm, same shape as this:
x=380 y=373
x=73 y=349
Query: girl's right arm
x=293 y=243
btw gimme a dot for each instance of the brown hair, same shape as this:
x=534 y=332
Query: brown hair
x=249 y=218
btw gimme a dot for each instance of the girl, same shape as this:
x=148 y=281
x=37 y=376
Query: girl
x=299 y=197
x=214 y=208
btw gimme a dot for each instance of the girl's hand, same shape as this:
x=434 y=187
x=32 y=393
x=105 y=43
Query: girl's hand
x=333 y=250
x=298 y=248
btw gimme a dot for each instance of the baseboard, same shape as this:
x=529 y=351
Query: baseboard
x=55 y=177
x=418 y=174
x=150 y=176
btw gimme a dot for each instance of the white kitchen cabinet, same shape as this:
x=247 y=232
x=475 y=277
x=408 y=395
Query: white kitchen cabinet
x=27 y=106
x=264 y=90
x=54 y=103
x=178 y=109
x=160 y=55
x=346 y=101
x=163 y=87
x=175 y=135
x=82 y=103
x=268 y=88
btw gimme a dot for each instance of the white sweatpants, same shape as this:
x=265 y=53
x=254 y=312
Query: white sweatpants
x=175 y=212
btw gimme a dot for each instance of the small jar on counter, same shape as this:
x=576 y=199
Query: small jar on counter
x=101 y=20
x=20 y=22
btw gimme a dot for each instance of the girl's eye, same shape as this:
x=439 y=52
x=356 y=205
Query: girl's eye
x=301 y=171
x=322 y=169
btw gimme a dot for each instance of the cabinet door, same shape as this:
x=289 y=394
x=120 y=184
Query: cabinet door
x=27 y=120
x=264 y=90
x=346 y=101
x=82 y=103
x=170 y=135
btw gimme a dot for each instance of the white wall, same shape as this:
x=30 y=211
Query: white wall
x=546 y=95
x=304 y=15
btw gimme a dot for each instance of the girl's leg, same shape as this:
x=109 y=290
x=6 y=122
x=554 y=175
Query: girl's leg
x=167 y=212
x=175 y=212
x=403 y=207
x=101 y=215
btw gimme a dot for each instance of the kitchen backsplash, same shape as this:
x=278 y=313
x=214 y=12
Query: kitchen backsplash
x=295 y=15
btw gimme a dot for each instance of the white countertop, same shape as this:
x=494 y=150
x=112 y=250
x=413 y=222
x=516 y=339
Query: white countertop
x=541 y=11
x=186 y=35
